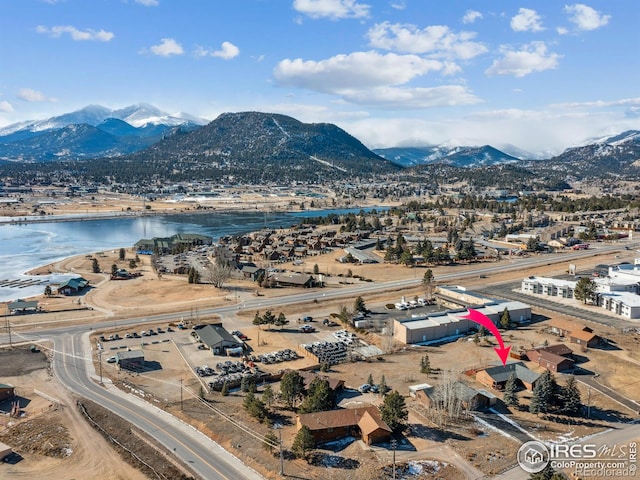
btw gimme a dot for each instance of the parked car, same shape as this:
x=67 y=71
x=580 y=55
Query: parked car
x=307 y=329
x=307 y=319
x=239 y=334
x=364 y=388
x=111 y=360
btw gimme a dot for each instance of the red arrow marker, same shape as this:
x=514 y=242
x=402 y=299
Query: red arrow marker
x=482 y=319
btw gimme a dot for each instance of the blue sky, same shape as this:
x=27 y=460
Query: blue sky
x=541 y=75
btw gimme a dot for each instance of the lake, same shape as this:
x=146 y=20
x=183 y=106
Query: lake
x=30 y=245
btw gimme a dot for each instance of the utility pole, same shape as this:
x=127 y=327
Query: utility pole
x=180 y=393
x=100 y=363
x=394 y=445
x=281 y=452
x=8 y=325
x=588 y=402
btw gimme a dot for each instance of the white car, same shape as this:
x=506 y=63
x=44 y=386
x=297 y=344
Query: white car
x=111 y=360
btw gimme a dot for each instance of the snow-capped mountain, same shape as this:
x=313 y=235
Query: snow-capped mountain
x=455 y=156
x=93 y=131
x=136 y=115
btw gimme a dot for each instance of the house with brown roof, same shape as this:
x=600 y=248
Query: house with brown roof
x=584 y=338
x=576 y=333
x=563 y=328
x=308 y=377
x=547 y=358
x=364 y=423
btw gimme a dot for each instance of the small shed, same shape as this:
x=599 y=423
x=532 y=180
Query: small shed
x=20 y=306
x=4 y=450
x=130 y=360
x=6 y=391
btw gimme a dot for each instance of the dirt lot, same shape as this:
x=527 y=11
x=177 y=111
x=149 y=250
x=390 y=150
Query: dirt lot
x=476 y=445
x=51 y=436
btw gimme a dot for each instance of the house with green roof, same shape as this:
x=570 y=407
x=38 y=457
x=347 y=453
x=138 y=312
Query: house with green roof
x=72 y=286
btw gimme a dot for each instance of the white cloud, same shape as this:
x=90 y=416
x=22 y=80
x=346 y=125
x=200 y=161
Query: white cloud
x=545 y=132
x=527 y=20
x=562 y=30
x=623 y=102
x=332 y=9
x=370 y=78
x=148 y=3
x=532 y=57
x=585 y=17
x=436 y=40
x=30 y=95
x=398 y=5
x=354 y=71
x=471 y=16
x=76 y=34
x=412 y=98
x=227 y=51
x=6 y=106
x=166 y=48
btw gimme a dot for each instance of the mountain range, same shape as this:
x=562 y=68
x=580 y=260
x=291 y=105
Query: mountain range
x=248 y=144
x=93 y=131
x=265 y=147
x=454 y=156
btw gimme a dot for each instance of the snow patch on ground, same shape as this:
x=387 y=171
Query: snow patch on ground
x=508 y=420
x=488 y=426
x=340 y=444
x=417 y=468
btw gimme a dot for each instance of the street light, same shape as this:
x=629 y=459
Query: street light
x=394 y=445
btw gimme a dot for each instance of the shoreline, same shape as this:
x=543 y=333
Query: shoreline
x=113 y=215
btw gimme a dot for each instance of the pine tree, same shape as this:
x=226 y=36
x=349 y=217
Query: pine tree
x=303 y=442
x=291 y=387
x=267 y=395
x=425 y=365
x=268 y=318
x=257 y=320
x=394 y=411
x=505 y=319
x=428 y=280
x=281 y=320
x=95 y=266
x=319 y=398
x=382 y=386
x=370 y=379
x=543 y=394
x=571 y=404
x=510 y=397
x=359 y=305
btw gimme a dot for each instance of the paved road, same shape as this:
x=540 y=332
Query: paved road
x=624 y=401
x=622 y=434
x=72 y=364
x=544 y=302
x=206 y=458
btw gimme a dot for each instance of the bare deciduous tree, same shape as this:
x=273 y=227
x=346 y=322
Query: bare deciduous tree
x=218 y=273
